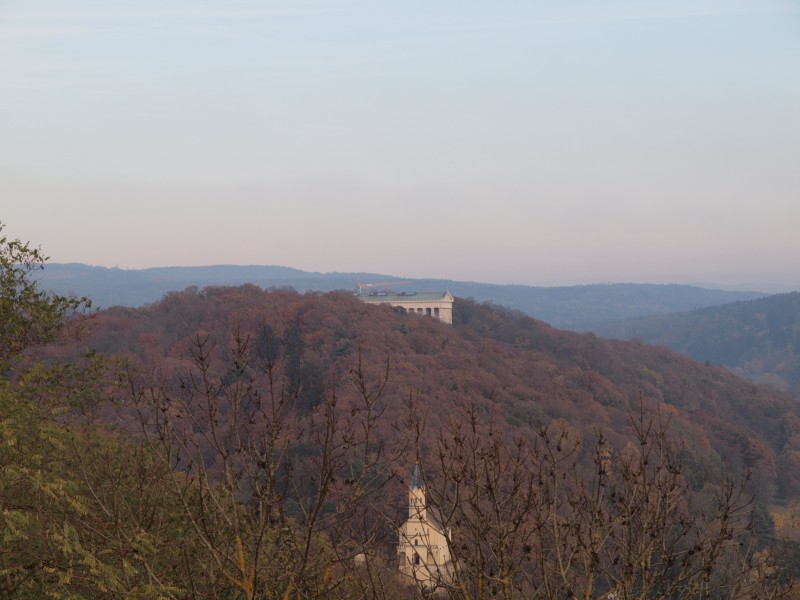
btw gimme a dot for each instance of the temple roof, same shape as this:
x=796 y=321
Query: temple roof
x=407 y=297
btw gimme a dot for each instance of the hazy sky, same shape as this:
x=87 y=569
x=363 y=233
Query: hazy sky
x=541 y=141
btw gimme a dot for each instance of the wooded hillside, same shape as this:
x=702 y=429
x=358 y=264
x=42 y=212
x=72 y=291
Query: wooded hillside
x=529 y=372
x=757 y=339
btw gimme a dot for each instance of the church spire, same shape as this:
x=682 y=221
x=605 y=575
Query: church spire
x=416 y=478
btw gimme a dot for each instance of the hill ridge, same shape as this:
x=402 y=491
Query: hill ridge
x=572 y=307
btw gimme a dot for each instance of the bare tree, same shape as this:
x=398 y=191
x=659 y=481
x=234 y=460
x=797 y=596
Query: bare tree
x=280 y=504
x=531 y=519
x=226 y=434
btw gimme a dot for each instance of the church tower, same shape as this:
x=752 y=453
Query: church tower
x=424 y=553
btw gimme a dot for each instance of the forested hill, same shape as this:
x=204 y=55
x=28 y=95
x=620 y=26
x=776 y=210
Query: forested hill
x=570 y=307
x=758 y=339
x=523 y=370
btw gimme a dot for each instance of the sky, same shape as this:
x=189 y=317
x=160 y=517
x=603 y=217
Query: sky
x=539 y=142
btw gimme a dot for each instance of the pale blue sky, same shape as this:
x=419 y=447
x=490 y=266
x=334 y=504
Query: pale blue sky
x=542 y=142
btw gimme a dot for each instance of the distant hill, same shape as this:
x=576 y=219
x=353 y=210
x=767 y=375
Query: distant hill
x=524 y=371
x=571 y=307
x=757 y=339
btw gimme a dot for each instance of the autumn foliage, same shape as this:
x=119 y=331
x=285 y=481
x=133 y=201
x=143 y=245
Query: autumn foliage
x=529 y=373
x=268 y=437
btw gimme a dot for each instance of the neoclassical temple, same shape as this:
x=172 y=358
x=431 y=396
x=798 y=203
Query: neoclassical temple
x=423 y=548
x=438 y=305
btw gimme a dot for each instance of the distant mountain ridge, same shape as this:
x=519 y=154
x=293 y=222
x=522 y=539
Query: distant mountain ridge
x=568 y=307
x=757 y=339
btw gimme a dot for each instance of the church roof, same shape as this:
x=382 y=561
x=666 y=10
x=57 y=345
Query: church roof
x=435 y=518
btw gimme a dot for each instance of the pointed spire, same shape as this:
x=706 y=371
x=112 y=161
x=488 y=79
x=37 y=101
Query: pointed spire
x=416 y=478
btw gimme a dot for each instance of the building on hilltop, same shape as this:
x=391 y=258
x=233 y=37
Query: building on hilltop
x=438 y=305
x=424 y=543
